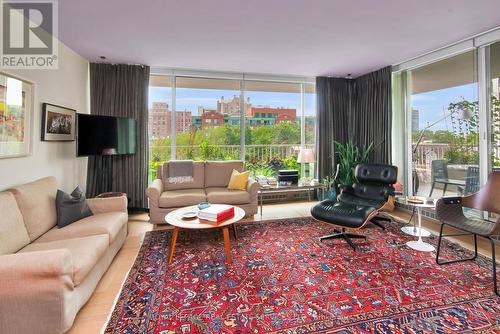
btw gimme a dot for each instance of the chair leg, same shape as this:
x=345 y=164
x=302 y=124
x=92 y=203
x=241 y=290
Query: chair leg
x=493 y=258
x=384 y=219
x=343 y=235
x=376 y=221
x=432 y=188
x=441 y=235
x=444 y=189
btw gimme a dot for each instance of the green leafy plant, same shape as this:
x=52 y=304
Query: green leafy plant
x=349 y=156
x=209 y=151
x=328 y=182
x=258 y=169
x=291 y=163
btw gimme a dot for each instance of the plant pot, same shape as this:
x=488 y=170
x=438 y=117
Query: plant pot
x=329 y=194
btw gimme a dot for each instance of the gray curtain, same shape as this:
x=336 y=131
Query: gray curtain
x=354 y=109
x=333 y=107
x=121 y=90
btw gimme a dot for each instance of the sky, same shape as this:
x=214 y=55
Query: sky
x=190 y=99
x=433 y=105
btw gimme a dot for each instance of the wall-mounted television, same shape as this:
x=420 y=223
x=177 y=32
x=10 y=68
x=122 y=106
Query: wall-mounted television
x=105 y=135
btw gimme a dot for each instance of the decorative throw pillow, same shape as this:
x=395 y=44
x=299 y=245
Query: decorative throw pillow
x=238 y=180
x=71 y=207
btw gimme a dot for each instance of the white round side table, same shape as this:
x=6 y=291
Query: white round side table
x=419 y=244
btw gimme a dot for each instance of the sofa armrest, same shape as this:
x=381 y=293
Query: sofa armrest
x=253 y=187
x=154 y=192
x=108 y=204
x=34 y=289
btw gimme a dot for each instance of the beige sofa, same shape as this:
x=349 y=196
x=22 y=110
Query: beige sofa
x=210 y=180
x=47 y=274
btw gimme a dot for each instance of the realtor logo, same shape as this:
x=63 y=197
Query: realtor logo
x=29 y=38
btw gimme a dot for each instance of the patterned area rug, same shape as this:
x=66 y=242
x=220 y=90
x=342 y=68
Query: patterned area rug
x=283 y=280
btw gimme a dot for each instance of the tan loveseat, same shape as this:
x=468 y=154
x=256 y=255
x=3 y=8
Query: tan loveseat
x=47 y=274
x=210 y=180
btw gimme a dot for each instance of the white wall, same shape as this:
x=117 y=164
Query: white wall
x=67 y=86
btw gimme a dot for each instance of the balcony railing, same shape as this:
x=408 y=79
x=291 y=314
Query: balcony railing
x=252 y=152
x=262 y=154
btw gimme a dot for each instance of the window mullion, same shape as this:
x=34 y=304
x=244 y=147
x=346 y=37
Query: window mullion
x=173 y=127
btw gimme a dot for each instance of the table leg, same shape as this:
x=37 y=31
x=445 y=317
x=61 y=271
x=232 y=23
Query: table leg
x=227 y=245
x=172 y=244
x=414 y=230
x=420 y=245
x=235 y=232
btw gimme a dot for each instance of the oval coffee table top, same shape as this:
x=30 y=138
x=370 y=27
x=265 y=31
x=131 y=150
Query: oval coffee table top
x=175 y=218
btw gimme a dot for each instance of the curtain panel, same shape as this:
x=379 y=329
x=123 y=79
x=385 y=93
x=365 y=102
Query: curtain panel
x=354 y=109
x=122 y=91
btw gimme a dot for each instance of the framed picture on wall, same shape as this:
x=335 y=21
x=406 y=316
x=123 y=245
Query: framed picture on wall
x=16 y=116
x=58 y=123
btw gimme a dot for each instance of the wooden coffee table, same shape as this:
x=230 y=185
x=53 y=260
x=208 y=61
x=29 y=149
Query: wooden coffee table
x=175 y=219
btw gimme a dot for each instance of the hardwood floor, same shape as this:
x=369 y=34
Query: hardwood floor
x=94 y=314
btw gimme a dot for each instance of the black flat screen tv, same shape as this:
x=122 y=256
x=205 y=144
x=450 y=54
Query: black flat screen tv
x=105 y=135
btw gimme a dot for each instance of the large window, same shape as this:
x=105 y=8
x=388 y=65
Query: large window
x=444 y=126
x=207 y=118
x=273 y=126
x=264 y=122
x=446 y=116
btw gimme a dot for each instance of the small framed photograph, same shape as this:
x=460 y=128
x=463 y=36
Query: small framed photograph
x=58 y=123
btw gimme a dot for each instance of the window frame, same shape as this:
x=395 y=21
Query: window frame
x=173 y=74
x=402 y=108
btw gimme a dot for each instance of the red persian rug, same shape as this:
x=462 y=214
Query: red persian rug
x=283 y=280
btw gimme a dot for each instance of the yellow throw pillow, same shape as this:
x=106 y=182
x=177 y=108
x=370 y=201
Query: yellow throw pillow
x=238 y=180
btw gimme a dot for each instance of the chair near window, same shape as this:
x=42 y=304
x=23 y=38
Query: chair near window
x=449 y=212
x=472 y=180
x=360 y=203
x=439 y=174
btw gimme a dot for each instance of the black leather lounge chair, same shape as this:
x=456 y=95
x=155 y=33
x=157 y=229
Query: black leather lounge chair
x=360 y=203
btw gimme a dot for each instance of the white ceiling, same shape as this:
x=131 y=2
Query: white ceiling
x=292 y=37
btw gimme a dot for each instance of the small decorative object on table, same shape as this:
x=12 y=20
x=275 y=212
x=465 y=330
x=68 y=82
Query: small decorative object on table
x=285 y=183
x=288 y=175
x=189 y=215
x=203 y=205
x=306 y=157
x=415 y=200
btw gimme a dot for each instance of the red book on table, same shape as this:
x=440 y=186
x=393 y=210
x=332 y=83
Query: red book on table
x=216 y=213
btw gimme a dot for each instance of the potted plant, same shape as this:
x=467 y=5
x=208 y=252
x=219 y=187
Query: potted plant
x=329 y=183
x=349 y=156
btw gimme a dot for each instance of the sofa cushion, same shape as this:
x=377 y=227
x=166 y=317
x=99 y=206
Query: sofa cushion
x=222 y=195
x=13 y=233
x=109 y=223
x=71 y=207
x=184 y=197
x=218 y=173
x=238 y=181
x=85 y=252
x=37 y=203
x=198 y=177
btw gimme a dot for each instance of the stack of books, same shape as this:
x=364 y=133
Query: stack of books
x=216 y=213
